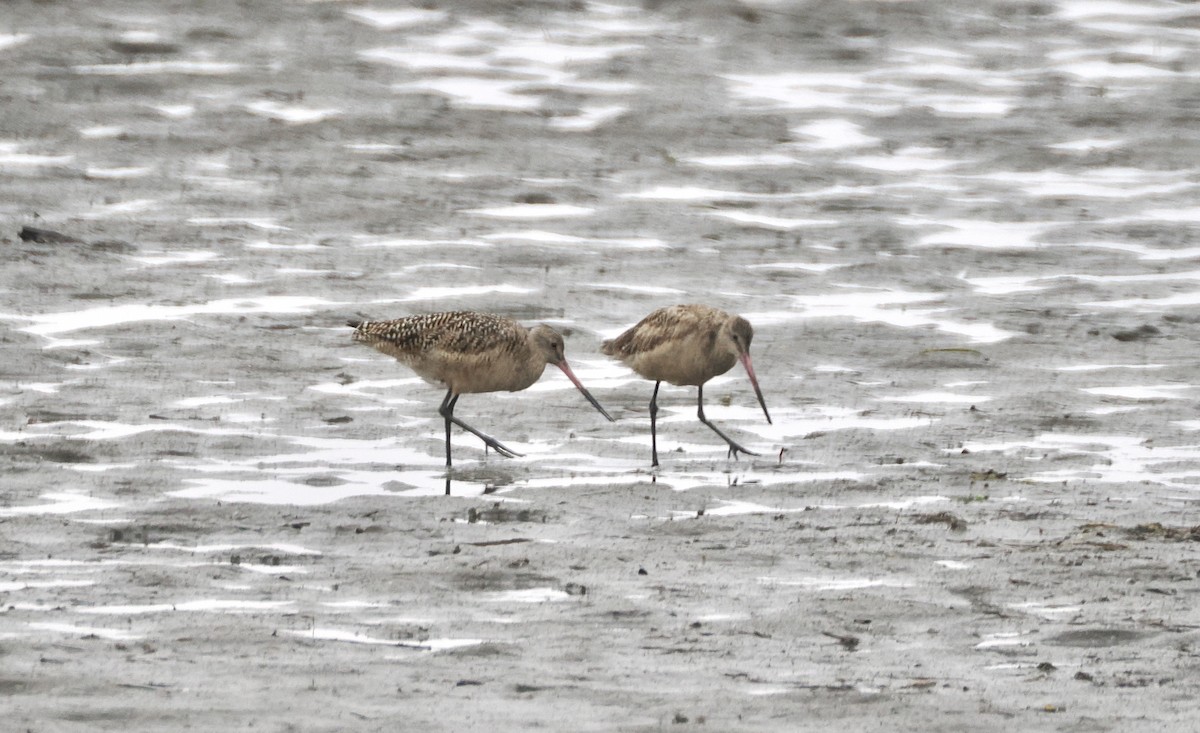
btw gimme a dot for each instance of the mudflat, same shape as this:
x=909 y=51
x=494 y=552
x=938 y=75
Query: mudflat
x=964 y=234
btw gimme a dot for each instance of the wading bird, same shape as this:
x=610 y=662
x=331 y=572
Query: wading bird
x=687 y=345
x=467 y=353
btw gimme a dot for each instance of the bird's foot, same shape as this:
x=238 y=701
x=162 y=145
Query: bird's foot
x=488 y=441
x=734 y=447
x=735 y=450
x=500 y=448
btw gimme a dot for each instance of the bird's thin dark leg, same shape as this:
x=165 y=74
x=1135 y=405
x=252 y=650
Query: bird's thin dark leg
x=734 y=448
x=447 y=412
x=654 y=426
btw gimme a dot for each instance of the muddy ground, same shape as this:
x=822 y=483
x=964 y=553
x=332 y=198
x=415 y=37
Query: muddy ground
x=975 y=329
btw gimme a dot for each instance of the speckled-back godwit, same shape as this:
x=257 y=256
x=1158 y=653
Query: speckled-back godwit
x=469 y=352
x=687 y=345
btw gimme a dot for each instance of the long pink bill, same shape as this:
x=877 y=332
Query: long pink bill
x=579 y=385
x=745 y=359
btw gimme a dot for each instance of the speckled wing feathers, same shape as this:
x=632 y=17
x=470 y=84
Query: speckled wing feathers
x=663 y=326
x=463 y=350
x=458 y=332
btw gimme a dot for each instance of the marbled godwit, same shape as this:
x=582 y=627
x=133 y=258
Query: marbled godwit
x=470 y=352
x=687 y=345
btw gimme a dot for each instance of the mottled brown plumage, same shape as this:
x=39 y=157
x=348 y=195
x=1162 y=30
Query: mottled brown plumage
x=687 y=345
x=469 y=352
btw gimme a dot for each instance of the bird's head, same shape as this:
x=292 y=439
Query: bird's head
x=740 y=333
x=549 y=343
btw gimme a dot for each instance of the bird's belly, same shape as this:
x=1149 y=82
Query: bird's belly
x=473 y=376
x=480 y=382
x=681 y=366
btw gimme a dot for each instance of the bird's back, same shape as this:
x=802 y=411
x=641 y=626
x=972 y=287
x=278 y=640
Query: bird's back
x=466 y=351
x=676 y=344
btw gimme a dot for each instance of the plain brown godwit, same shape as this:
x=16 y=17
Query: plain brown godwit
x=467 y=353
x=687 y=345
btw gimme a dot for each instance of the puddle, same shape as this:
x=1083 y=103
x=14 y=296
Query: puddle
x=174 y=111
x=99 y=132
x=1152 y=305
x=253 y=222
x=540 y=237
x=115 y=173
x=444 y=293
x=1104 y=367
x=834 y=134
x=354 y=637
x=528 y=595
x=114 y=315
x=774 y=223
x=811 y=91
x=152 y=68
x=894 y=308
x=1003 y=639
x=212 y=605
x=905 y=160
x=532 y=211
x=834 y=584
x=733 y=507
x=1110 y=459
x=750 y=160
x=400 y=242
x=390 y=20
x=83 y=430
x=13 y=586
x=588 y=118
x=286 y=549
x=738 y=507
x=162 y=259
x=283 y=492
x=954 y=564
x=1143 y=392
x=8 y=40
x=359 y=605
x=84 y=631
x=648 y=289
x=60 y=502
x=987 y=234
x=945 y=398
x=1046 y=610
x=13 y=161
x=697 y=194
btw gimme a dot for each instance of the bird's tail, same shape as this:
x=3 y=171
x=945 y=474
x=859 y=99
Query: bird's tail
x=609 y=347
x=358 y=326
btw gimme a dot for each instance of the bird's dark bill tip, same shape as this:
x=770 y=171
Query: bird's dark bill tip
x=596 y=404
x=763 y=403
x=566 y=369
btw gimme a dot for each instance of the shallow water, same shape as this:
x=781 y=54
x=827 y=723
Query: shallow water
x=968 y=256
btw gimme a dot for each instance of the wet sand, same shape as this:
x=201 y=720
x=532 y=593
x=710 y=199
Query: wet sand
x=964 y=235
